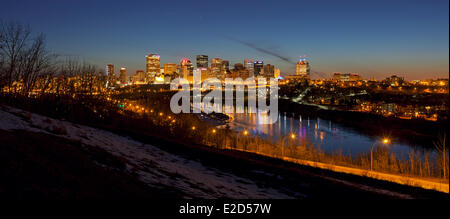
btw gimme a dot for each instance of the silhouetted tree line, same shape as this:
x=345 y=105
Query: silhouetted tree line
x=28 y=68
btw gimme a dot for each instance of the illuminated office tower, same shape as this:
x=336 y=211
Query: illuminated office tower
x=139 y=77
x=303 y=68
x=202 y=61
x=268 y=71
x=123 y=75
x=170 y=70
x=217 y=68
x=204 y=73
x=248 y=64
x=110 y=75
x=153 y=66
x=187 y=70
x=257 y=66
x=239 y=71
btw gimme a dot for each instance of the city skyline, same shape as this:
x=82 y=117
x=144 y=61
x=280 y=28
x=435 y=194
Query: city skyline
x=204 y=101
x=408 y=38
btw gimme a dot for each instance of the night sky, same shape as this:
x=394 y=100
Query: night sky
x=373 y=38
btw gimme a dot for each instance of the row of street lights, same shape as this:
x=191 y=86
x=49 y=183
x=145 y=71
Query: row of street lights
x=384 y=141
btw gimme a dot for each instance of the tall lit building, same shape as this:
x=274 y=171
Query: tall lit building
x=123 y=75
x=217 y=68
x=239 y=71
x=140 y=74
x=248 y=64
x=170 y=69
x=205 y=73
x=303 y=68
x=110 y=75
x=202 y=61
x=153 y=66
x=139 y=77
x=187 y=70
x=269 y=71
x=258 y=65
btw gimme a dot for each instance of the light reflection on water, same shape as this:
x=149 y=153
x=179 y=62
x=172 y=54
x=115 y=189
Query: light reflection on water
x=328 y=136
x=325 y=134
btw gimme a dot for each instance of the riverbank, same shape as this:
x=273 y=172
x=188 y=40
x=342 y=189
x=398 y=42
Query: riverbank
x=412 y=132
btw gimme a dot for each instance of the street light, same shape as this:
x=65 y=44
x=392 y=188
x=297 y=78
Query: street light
x=384 y=141
x=292 y=136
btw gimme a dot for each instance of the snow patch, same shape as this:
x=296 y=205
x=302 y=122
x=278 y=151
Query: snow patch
x=154 y=166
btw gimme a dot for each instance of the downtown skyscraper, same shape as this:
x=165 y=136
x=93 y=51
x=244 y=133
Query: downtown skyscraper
x=269 y=71
x=303 y=68
x=153 y=67
x=187 y=70
x=257 y=65
x=170 y=70
x=217 y=68
x=123 y=76
x=249 y=65
x=202 y=61
x=110 y=75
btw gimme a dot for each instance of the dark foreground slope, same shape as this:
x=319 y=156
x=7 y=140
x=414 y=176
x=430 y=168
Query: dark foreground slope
x=44 y=158
x=41 y=166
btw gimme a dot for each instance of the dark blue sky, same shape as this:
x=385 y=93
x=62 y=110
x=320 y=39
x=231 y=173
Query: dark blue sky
x=373 y=38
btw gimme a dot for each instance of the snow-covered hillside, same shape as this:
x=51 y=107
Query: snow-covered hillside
x=153 y=166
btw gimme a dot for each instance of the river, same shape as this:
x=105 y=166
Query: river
x=325 y=134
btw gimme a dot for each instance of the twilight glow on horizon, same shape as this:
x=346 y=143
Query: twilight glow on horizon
x=373 y=38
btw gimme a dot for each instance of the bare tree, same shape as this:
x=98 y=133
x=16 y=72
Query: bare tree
x=440 y=146
x=35 y=62
x=13 y=42
x=23 y=58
